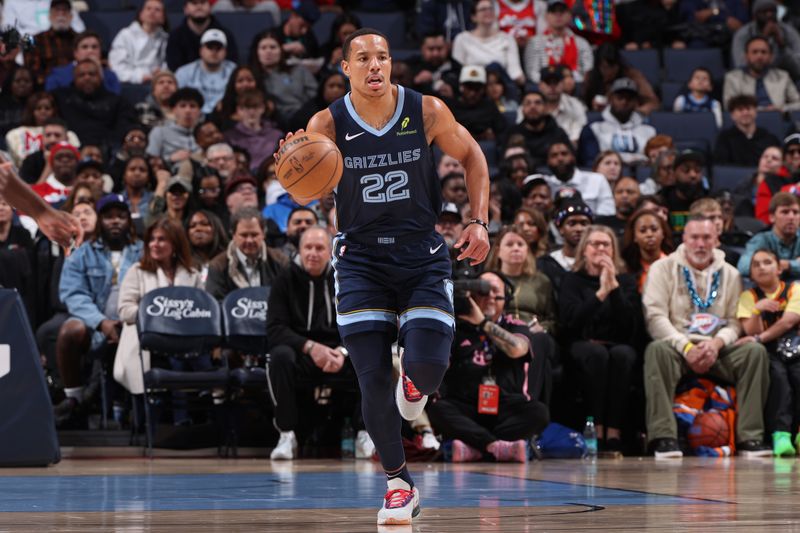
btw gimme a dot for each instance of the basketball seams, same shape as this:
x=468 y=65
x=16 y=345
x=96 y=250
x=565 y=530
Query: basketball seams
x=332 y=175
x=282 y=158
x=310 y=170
x=315 y=174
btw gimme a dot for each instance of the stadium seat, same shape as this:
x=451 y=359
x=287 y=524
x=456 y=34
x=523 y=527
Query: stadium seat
x=114 y=5
x=135 y=93
x=175 y=19
x=403 y=54
x=177 y=321
x=489 y=149
x=393 y=25
x=685 y=126
x=728 y=178
x=647 y=62
x=772 y=121
x=322 y=27
x=245 y=26
x=244 y=316
x=669 y=91
x=593 y=116
x=679 y=64
x=107 y=23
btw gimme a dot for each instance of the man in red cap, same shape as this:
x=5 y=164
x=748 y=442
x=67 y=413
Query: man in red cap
x=64 y=163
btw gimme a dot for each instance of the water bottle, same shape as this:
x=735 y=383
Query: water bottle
x=590 y=439
x=348 y=440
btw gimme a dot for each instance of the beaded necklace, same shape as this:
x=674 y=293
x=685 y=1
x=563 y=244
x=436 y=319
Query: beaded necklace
x=713 y=290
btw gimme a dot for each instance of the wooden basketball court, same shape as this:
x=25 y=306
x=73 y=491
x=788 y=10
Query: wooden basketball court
x=191 y=494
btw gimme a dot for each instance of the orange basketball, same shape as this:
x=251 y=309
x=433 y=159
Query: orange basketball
x=709 y=429
x=309 y=165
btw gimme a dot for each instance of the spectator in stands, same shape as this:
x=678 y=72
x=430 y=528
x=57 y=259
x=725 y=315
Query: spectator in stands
x=242 y=79
x=207 y=133
x=304 y=340
x=534 y=302
x=572 y=217
x=17 y=88
x=658 y=145
x=454 y=189
x=209 y=194
x=504 y=200
x=711 y=25
x=593 y=187
x=300 y=219
x=688 y=168
x=450 y=226
x=532 y=225
x=568 y=111
x=742 y=143
x=297 y=40
x=782 y=239
x=26 y=139
x=53 y=47
x=783 y=179
x=155 y=110
x=171 y=197
x=662 y=175
x=447 y=165
x=254 y=132
x=166 y=262
x=140 y=50
x=496 y=90
x=743 y=196
x=621 y=129
x=290 y=86
x=450 y=18
x=90 y=288
x=434 y=70
x=647 y=239
x=767 y=312
x=609 y=66
x=698 y=96
x=343 y=25
x=711 y=209
x=220 y=157
x=538 y=128
x=473 y=109
x=134 y=142
x=95 y=114
x=183 y=45
x=487 y=44
x=35 y=167
x=207 y=238
x=651 y=24
x=241 y=191
x=694 y=327
x=772 y=87
x=174 y=141
x=609 y=164
x=13 y=236
x=489 y=343
x=522 y=19
x=247 y=261
x=136 y=180
x=655 y=203
x=558 y=45
x=90 y=172
x=63 y=159
x=783 y=38
x=332 y=86
x=87 y=45
x=599 y=309
x=249 y=6
x=537 y=195
x=626 y=194
x=209 y=74
x=516 y=168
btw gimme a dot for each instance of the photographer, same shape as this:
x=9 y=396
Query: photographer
x=489 y=396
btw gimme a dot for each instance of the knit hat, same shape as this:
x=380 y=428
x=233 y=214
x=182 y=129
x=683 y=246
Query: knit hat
x=572 y=208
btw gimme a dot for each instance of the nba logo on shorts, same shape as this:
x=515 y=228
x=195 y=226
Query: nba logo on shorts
x=5 y=359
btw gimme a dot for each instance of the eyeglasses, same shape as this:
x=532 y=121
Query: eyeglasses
x=599 y=244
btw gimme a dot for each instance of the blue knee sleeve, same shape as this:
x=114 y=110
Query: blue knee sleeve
x=426 y=357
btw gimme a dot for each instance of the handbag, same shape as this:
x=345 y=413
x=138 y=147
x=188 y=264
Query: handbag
x=787 y=347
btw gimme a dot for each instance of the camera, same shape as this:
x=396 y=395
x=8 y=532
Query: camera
x=463 y=288
x=12 y=38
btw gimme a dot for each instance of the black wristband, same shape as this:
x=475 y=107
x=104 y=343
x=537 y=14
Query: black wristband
x=483 y=323
x=479 y=222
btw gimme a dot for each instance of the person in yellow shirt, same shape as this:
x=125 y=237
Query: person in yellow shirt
x=770 y=314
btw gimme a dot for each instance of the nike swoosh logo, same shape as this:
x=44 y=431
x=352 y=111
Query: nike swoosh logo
x=348 y=137
x=434 y=250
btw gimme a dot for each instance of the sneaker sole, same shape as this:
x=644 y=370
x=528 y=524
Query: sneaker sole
x=390 y=521
x=762 y=453
x=677 y=454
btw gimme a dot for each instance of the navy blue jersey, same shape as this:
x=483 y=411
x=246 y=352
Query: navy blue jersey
x=389 y=186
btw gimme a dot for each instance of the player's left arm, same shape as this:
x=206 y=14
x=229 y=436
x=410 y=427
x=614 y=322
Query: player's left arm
x=454 y=140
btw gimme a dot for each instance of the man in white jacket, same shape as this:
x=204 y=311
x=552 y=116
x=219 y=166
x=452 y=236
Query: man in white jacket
x=139 y=51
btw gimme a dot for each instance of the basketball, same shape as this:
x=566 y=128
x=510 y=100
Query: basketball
x=709 y=429
x=309 y=165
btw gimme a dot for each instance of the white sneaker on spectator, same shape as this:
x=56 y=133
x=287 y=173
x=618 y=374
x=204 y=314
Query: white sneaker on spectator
x=286 y=448
x=364 y=445
x=429 y=441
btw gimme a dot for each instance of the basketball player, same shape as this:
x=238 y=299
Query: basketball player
x=59 y=226
x=392 y=268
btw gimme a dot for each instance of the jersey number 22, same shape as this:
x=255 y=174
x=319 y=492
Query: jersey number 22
x=394 y=182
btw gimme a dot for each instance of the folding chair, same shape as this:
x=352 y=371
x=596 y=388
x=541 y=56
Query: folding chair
x=177 y=321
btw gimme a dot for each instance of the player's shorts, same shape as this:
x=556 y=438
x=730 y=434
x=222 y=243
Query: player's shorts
x=383 y=286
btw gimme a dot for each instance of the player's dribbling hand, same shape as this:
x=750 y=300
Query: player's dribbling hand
x=61 y=227
x=476 y=237
x=289 y=135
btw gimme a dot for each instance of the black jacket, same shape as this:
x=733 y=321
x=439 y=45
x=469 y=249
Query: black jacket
x=183 y=45
x=616 y=319
x=538 y=142
x=100 y=118
x=302 y=308
x=734 y=148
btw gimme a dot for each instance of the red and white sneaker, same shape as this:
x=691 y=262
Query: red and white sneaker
x=400 y=504
x=410 y=401
x=464 y=453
